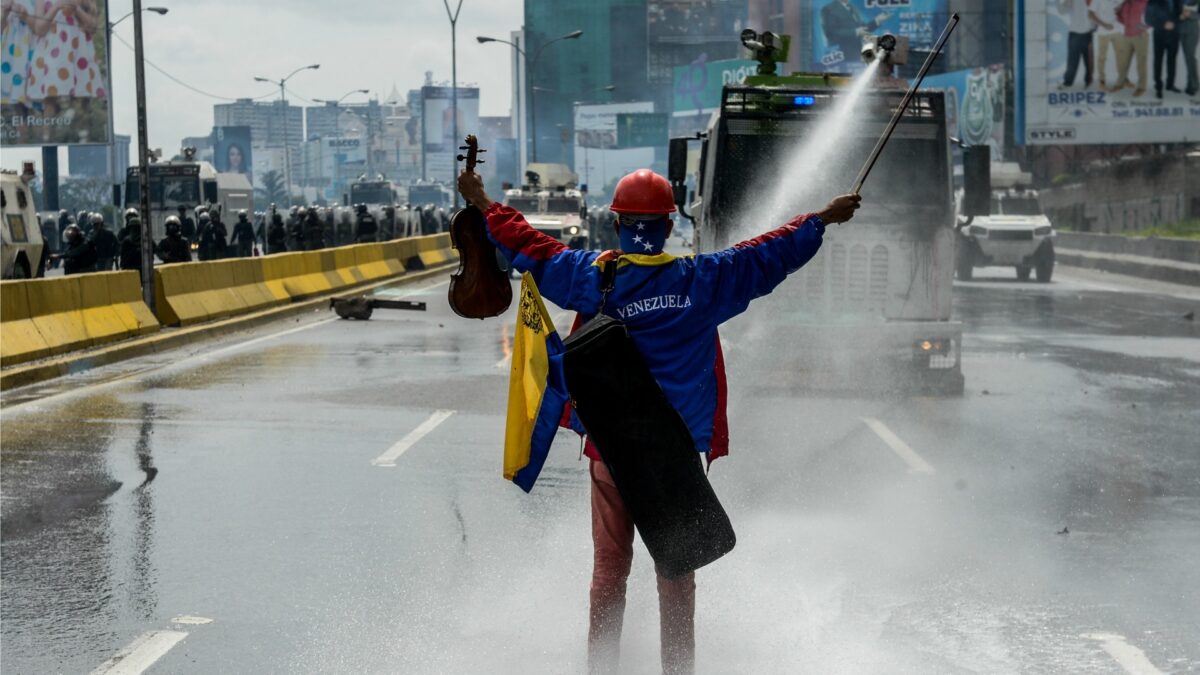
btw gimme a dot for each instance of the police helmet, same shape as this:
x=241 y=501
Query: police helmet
x=73 y=233
x=97 y=219
x=172 y=224
x=205 y=218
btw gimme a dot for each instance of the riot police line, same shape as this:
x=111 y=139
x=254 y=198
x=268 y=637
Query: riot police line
x=86 y=243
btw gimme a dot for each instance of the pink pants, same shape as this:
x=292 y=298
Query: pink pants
x=612 y=537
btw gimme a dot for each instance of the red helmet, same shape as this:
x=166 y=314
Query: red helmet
x=643 y=192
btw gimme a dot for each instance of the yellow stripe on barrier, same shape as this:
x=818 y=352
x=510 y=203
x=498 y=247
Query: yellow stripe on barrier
x=100 y=318
x=20 y=339
x=44 y=317
x=54 y=307
x=125 y=292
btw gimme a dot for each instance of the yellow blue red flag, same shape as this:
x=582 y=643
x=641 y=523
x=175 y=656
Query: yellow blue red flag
x=537 y=391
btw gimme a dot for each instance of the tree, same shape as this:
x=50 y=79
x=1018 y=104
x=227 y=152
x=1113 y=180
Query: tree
x=86 y=194
x=273 y=189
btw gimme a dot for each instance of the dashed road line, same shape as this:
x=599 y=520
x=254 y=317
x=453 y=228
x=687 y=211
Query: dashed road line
x=140 y=654
x=388 y=459
x=1129 y=657
x=916 y=463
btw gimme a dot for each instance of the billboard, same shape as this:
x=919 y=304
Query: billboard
x=54 y=74
x=1086 y=75
x=231 y=151
x=641 y=130
x=598 y=160
x=696 y=87
x=840 y=25
x=437 y=127
x=975 y=103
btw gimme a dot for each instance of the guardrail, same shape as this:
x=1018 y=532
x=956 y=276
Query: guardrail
x=45 y=317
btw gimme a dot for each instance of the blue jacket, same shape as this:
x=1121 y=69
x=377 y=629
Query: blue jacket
x=671 y=305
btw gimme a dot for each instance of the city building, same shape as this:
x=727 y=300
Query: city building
x=272 y=125
x=91 y=161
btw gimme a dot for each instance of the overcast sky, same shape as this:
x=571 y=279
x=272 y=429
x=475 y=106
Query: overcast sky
x=219 y=46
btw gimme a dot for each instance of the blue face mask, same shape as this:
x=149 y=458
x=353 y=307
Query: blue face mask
x=646 y=237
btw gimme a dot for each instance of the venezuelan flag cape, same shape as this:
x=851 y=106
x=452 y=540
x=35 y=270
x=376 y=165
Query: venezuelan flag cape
x=537 y=390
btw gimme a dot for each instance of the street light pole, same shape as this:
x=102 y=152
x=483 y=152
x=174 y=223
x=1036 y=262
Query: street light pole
x=287 y=150
x=337 y=132
x=453 y=82
x=531 y=65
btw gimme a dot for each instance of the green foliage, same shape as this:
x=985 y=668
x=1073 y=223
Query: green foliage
x=1187 y=229
x=273 y=189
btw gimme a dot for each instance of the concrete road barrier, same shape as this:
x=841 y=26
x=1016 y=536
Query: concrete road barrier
x=43 y=317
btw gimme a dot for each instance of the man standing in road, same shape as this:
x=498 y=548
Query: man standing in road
x=174 y=248
x=365 y=227
x=130 y=237
x=243 y=235
x=106 y=242
x=79 y=254
x=678 y=341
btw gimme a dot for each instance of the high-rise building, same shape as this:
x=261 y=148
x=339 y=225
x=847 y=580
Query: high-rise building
x=632 y=45
x=270 y=122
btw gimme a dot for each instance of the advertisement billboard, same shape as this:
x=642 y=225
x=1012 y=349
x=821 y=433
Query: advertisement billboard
x=1086 y=74
x=598 y=160
x=231 y=151
x=54 y=74
x=696 y=87
x=840 y=25
x=975 y=103
x=437 y=127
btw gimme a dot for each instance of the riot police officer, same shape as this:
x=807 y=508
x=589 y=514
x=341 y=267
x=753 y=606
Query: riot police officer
x=106 y=242
x=174 y=248
x=130 y=238
x=79 y=255
x=314 y=231
x=277 y=235
x=212 y=237
x=365 y=227
x=187 y=226
x=243 y=235
x=296 y=229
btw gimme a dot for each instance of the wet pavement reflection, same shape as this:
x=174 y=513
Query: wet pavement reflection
x=238 y=485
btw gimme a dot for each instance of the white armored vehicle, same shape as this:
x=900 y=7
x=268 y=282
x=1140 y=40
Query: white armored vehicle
x=1015 y=233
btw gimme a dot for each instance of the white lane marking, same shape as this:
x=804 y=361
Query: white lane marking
x=183 y=363
x=1132 y=659
x=410 y=439
x=417 y=290
x=208 y=356
x=141 y=653
x=916 y=463
x=558 y=320
x=191 y=620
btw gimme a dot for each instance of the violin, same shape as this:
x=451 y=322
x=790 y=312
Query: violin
x=479 y=288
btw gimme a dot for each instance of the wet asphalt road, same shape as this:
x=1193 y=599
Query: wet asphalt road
x=273 y=538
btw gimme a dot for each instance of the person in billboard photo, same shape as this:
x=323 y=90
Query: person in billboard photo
x=1107 y=35
x=52 y=69
x=1081 y=23
x=1163 y=17
x=1133 y=42
x=235 y=159
x=844 y=27
x=1189 y=36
